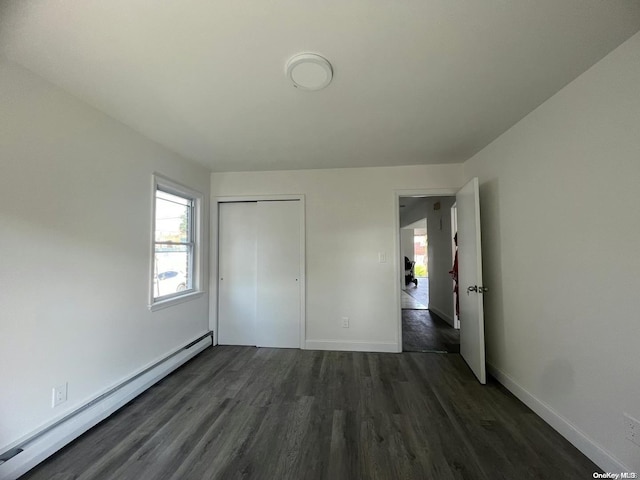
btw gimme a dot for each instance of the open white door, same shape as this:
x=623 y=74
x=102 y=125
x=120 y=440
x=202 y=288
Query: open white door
x=470 y=285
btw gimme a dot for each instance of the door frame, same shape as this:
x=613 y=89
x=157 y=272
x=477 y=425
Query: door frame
x=425 y=192
x=215 y=251
x=454 y=248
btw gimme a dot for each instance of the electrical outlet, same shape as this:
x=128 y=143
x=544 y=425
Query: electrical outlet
x=632 y=429
x=59 y=395
x=345 y=322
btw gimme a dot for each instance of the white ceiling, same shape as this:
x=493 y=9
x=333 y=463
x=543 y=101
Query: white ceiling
x=415 y=81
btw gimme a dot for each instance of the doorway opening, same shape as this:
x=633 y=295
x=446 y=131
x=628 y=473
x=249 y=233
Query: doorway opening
x=415 y=288
x=429 y=320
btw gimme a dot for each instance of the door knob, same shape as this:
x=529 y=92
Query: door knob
x=475 y=288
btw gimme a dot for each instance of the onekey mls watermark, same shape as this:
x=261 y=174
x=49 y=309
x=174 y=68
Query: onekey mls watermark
x=615 y=476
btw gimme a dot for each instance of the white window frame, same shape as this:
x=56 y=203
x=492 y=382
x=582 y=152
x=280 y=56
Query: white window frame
x=167 y=185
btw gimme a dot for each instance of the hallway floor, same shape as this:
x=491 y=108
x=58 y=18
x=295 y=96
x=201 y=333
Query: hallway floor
x=424 y=331
x=416 y=297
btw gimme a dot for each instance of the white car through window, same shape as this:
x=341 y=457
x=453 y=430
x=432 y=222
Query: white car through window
x=168 y=282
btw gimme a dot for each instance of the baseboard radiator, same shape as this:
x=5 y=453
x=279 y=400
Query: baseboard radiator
x=23 y=457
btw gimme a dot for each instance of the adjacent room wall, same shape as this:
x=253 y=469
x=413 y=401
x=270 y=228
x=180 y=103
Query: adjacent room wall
x=561 y=230
x=440 y=257
x=350 y=218
x=75 y=233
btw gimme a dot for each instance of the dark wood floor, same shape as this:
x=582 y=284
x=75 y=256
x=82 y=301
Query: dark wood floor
x=424 y=331
x=242 y=412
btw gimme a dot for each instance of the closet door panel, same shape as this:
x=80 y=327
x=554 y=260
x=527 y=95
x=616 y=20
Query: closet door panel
x=278 y=274
x=237 y=273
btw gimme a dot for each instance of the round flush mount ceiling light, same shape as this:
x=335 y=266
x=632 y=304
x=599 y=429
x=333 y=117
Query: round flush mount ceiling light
x=309 y=71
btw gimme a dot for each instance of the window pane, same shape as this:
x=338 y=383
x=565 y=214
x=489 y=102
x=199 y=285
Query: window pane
x=173 y=218
x=174 y=241
x=172 y=269
x=172 y=198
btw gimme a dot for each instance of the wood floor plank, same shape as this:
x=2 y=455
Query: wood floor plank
x=221 y=451
x=255 y=413
x=339 y=466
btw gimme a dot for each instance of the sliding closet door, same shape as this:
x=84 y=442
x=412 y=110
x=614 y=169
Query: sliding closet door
x=278 y=289
x=259 y=274
x=237 y=273
x=278 y=293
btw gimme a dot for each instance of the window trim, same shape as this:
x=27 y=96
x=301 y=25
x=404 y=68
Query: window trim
x=160 y=182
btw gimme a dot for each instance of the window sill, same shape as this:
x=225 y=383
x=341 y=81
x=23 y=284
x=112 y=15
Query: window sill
x=169 y=302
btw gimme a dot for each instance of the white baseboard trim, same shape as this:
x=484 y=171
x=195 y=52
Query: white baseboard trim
x=46 y=443
x=598 y=455
x=441 y=314
x=352 y=346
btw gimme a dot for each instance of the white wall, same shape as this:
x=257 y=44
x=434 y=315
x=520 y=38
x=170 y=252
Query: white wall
x=561 y=229
x=75 y=202
x=440 y=259
x=350 y=218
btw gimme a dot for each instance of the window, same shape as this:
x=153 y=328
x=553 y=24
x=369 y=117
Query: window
x=174 y=264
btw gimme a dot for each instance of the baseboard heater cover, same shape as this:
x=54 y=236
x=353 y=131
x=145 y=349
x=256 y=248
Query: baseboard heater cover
x=44 y=444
